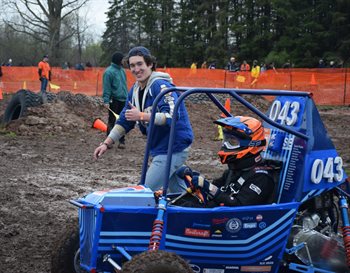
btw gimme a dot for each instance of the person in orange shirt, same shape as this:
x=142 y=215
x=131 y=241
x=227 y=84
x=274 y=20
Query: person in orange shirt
x=245 y=66
x=44 y=71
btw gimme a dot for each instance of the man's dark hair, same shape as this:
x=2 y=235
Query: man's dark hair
x=145 y=53
x=117 y=58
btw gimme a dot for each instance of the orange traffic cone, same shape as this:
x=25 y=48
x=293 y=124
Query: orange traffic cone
x=313 y=81
x=227 y=107
x=99 y=125
x=24 y=85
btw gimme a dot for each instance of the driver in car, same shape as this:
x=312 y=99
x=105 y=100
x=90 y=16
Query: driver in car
x=249 y=180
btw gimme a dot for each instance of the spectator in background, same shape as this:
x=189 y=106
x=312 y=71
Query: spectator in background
x=0 y=72
x=115 y=91
x=245 y=66
x=44 y=71
x=286 y=64
x=212 y=65
x=331 y=64
x=340 y=64
x=9 y=63
x=79 y=66
x=65 y=66
x=271 y=66
x=321 y=64
x=204 y=65
x=150 y=83
x=194 y=65
x=232 y=65
x=255 y=73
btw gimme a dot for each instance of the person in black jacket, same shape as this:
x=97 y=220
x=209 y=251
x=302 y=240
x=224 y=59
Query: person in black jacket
x=247 y=181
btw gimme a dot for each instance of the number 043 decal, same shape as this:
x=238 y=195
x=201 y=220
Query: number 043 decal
x=288 y=114
x=332 y=170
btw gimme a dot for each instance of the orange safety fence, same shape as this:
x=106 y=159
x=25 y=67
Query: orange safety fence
x=329 y=86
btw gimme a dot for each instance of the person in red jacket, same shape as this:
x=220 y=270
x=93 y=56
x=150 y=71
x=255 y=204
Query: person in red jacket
x=44 y=71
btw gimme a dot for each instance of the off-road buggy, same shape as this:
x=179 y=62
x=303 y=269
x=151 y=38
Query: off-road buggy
x=305 y=229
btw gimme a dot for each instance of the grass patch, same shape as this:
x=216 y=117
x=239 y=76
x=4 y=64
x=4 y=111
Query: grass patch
x=5 y=132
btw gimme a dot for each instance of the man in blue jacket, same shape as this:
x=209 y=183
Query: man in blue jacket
x=149 y=84
x=115 y=90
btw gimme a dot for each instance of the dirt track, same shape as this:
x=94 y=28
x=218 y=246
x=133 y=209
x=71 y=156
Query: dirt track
x=47 y=160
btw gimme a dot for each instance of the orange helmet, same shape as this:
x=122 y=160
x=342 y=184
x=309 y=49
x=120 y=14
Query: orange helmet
x=243 y=137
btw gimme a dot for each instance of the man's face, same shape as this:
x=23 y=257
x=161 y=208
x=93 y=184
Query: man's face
x=140 y=69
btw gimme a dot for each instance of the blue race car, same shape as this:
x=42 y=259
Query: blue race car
x=305 y=228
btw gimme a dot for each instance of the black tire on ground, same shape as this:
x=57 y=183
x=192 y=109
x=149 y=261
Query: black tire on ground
x=66 y=97
x=157 y=261
x=20 y=101
x=51 y=96
x=65 y=252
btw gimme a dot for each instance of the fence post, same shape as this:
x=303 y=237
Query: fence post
x=345 y=79
x=98 y=74
x=225 y=79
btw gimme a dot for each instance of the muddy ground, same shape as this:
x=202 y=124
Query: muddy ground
x=46 y=160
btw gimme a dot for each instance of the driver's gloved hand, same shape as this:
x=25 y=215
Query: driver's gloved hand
x=183 y=171
x=199 y=182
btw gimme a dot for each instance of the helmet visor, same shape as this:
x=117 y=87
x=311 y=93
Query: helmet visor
x=234 y=139
x=231 y=142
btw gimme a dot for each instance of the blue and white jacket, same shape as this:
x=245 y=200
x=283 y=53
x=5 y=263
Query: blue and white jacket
x=158 y=82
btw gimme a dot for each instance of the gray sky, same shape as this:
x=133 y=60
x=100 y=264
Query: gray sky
x=96 y=14
x=94 y=10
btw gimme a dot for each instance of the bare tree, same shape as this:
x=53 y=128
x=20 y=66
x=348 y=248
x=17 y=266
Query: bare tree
x=44 y=21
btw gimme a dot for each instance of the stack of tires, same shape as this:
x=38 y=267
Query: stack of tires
x=21 y=101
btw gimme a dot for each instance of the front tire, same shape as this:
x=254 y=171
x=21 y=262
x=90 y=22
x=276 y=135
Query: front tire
x=157 y=261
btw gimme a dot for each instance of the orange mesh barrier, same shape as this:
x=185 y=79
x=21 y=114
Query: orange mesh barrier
x=329 y=86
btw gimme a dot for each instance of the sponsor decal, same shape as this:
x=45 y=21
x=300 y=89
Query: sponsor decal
x=234 y=225
x=217 y=233
x=250 y=225
x=259 y=217
x=197 y=232
x=196 y=225
x=267 y=263
x=256 y=268
x=247 y=218
x=262 y=225
x=219 y=221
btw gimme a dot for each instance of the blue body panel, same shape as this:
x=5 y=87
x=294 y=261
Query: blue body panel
x=221 y=238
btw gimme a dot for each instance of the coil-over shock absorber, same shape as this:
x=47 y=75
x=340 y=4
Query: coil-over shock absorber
x=157 y=229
